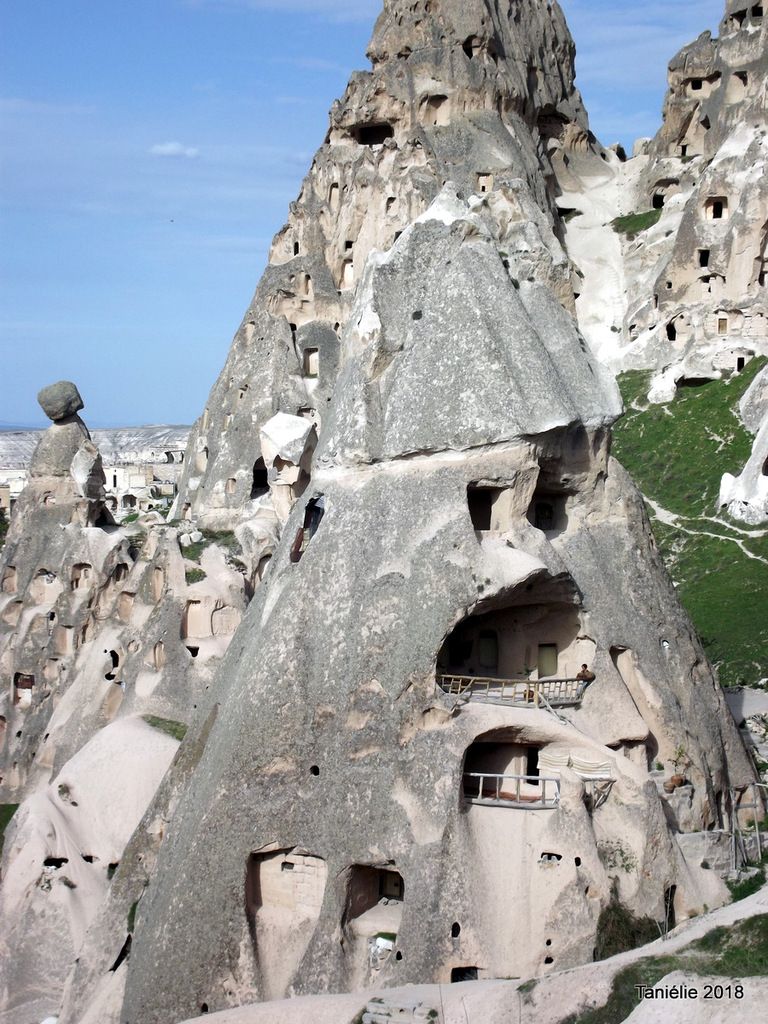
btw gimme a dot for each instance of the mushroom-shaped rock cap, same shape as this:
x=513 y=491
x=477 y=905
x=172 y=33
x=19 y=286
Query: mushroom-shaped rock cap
x=60 y=400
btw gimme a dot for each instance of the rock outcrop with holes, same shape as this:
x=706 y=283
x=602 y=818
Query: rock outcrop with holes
x=369 y=809
x=476 y=92
x=683 y=292
x=108 y=639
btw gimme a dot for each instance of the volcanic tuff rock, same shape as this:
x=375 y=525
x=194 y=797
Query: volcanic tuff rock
x=98 y=626
x=686 y=296
x=60 y=400
x=476 y=92
x=411 y=442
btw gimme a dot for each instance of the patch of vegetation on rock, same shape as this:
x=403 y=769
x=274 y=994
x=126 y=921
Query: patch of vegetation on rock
x=740 y=951
x=175 y=729
x=746 y=886
x=7 y=811
x=618 y=930
x=195 y=575
x=633 y=223
x=677 y=454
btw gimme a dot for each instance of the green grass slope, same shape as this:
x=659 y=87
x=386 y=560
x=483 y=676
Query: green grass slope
x=677 y=454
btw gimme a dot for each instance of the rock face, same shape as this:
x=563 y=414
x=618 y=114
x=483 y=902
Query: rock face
x=99 y=626
x=474 y=92
x=358 y=814
x=686 y=297
x=337 y=800
x=393 y=771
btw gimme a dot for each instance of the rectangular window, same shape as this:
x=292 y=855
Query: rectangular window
x=391 y=885
x=311 y=362
x=480 y=501
x=722 y=325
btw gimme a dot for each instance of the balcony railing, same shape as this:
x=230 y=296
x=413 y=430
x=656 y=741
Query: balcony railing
x=557 y=693
x=512 y=790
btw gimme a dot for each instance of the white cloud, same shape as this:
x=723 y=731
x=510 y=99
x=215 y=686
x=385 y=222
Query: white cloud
x=174 y=150
x=331 y=10
x=19 y=105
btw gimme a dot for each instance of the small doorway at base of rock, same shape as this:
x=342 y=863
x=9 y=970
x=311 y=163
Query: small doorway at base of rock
x=463 y=974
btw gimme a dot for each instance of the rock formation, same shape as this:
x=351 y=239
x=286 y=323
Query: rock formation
x=395 y=770
x=98 y=627
x=686 y=295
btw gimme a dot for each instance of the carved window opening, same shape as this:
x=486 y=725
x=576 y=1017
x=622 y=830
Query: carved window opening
x=373 y=134
x=548 y=511
x=313 y=516
x=311 y=362
x=81 y=573
x=10 y=580
x=501 y=768
x=459 y=974
x=23 y=685
x=111 y=673
x=369 y=888
x=437 y=111
x=489 y=507
x=716 y=208
x=260 y=484
x=703 y=257
x=347 y=276
x=158 y=655
x=471 y=46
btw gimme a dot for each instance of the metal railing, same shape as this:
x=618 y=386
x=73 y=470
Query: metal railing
x=508 y=790
x=558 y=693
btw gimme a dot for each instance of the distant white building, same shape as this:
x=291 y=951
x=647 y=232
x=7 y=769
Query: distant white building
x=141 y=465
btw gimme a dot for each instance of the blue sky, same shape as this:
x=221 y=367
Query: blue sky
x=150 y=149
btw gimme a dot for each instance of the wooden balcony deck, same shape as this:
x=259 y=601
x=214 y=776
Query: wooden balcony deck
x=533 y=693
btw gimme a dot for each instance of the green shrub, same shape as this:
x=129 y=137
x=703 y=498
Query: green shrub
x=132 y=916
x=741 y=889
x=175 y=729
x=130 y=518
x=195 y=575
x=634 y=223
x=195 y=550
x=7 y=811
x=619 y=930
